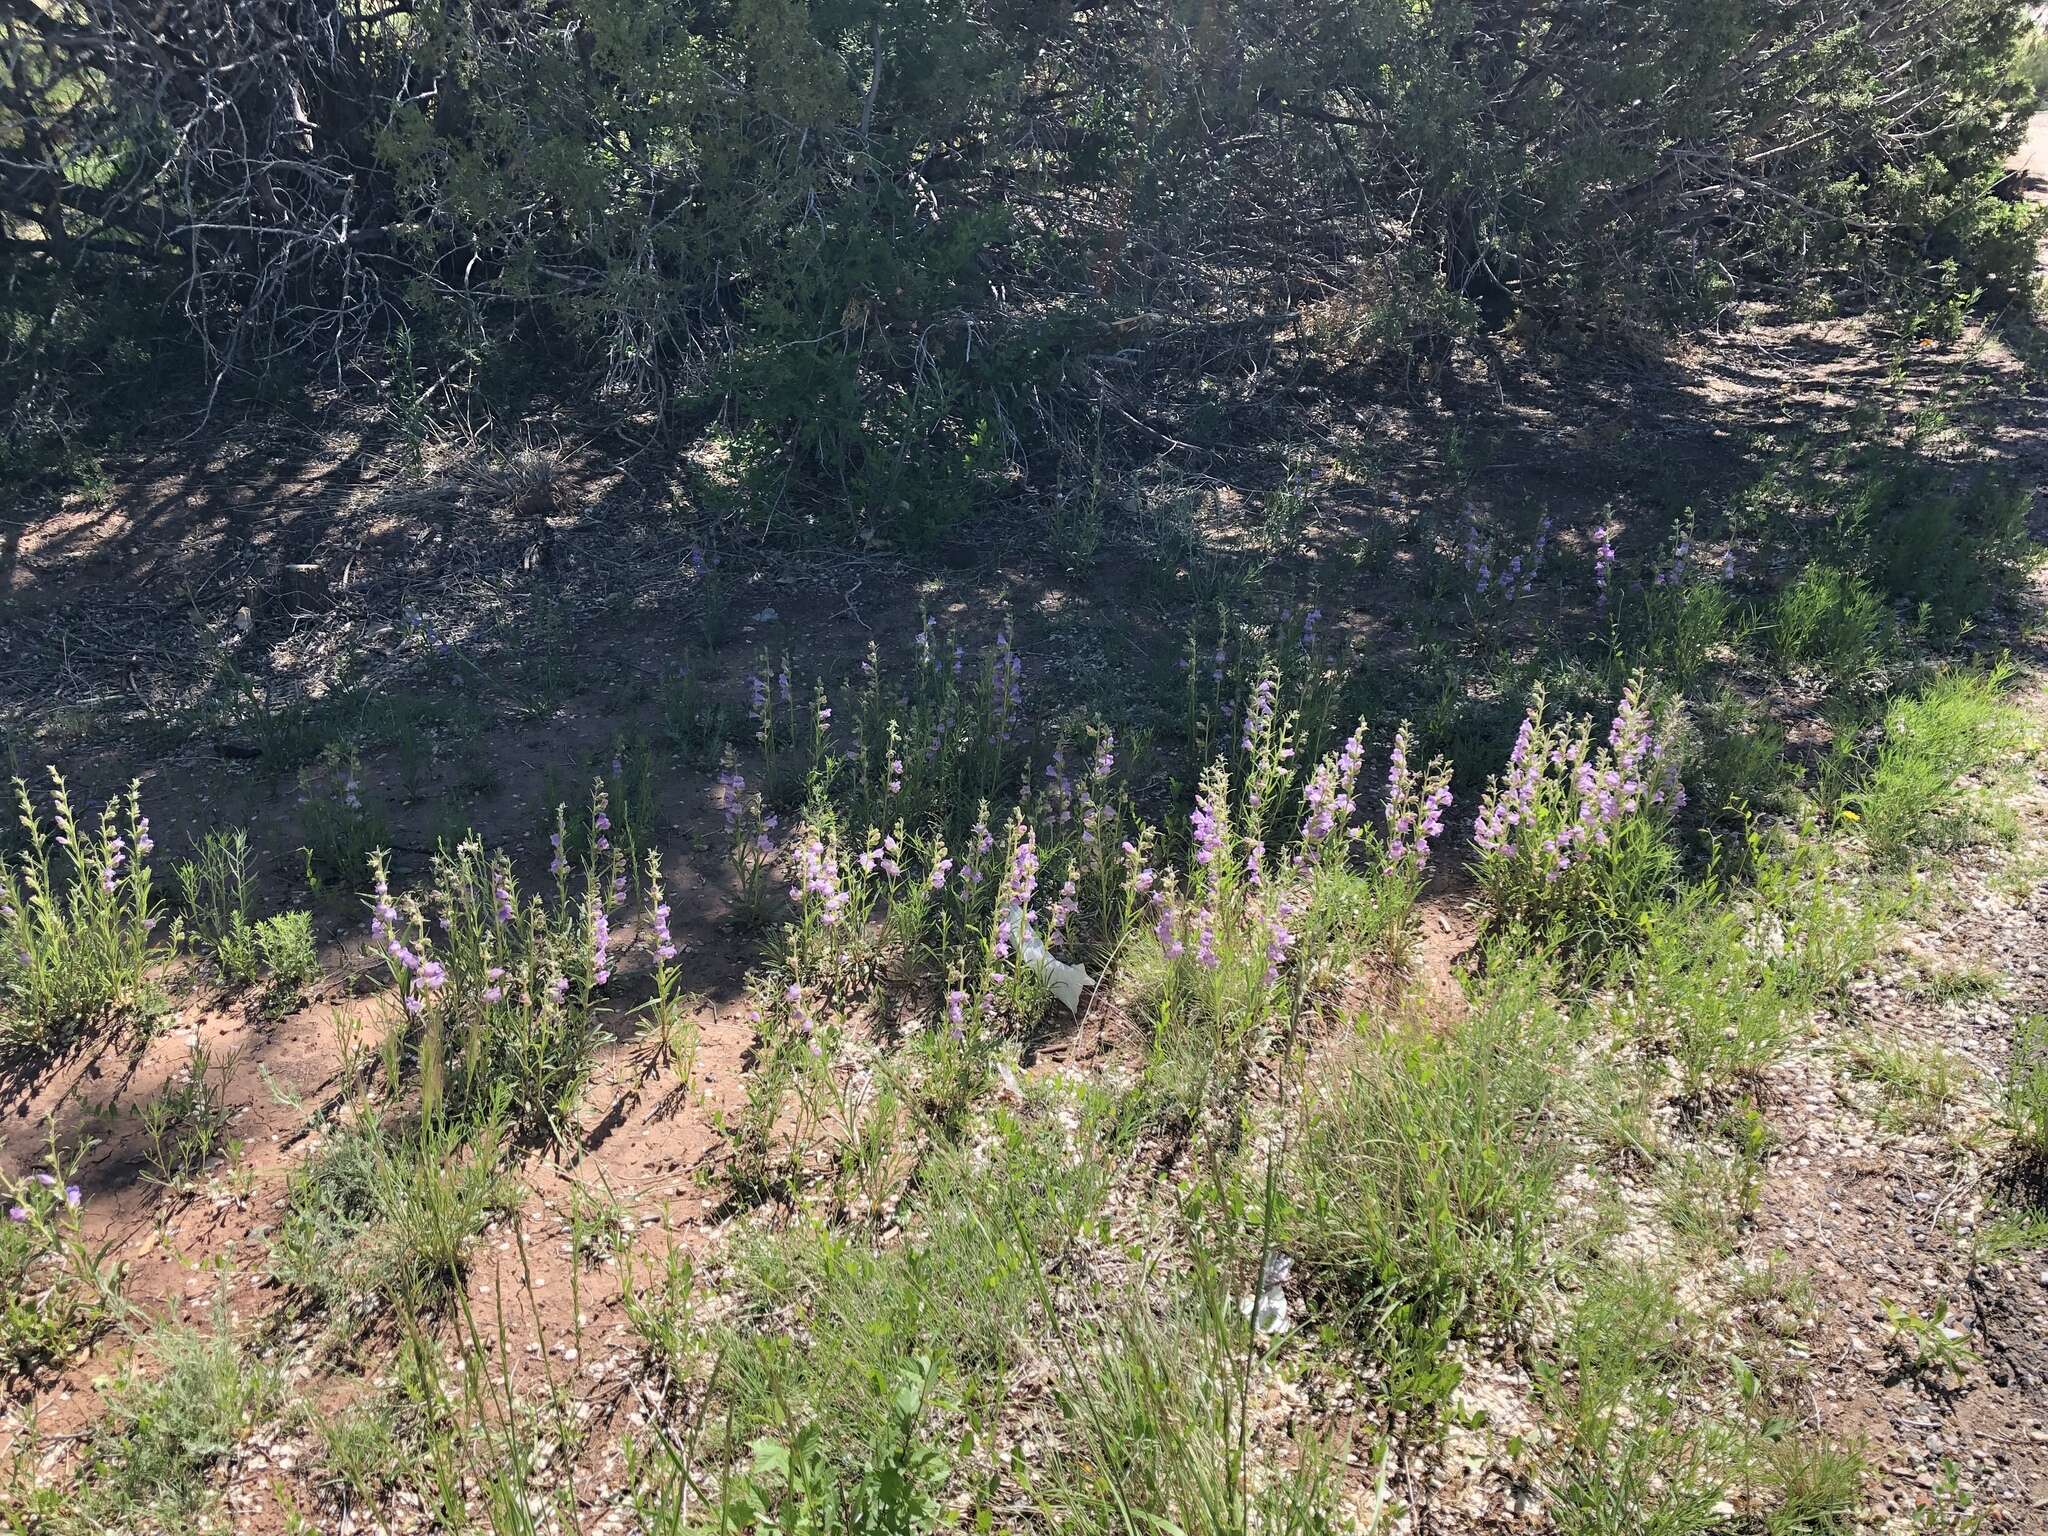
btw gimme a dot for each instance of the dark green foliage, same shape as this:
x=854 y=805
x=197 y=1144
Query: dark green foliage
x=886 y=247
x=1949 y=546
x=1830 y=621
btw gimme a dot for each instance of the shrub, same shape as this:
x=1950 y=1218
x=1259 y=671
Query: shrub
x=1572 y=842
x=77 y=935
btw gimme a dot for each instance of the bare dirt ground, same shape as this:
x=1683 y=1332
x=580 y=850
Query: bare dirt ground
x=1877 y=1211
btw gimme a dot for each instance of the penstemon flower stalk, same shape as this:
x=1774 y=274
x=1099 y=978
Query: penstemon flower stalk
x=670 y=1032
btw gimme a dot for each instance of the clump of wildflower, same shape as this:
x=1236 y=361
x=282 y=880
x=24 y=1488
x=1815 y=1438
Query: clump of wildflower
x=1006 y=688
x=664 y=942
x=1258 y=715
x=980 y=844
x=1680 y=566
x=1210 y=823
x=729 y=796
x=1280 y=937
x=1165 y=924
x=1570 y=829
x=1064 y=906
x=884 y=852
x=1603 y=565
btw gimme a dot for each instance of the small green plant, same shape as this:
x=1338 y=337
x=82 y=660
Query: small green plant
x=186 y=1124
x=1948 y=549
x=795 y=1488
x=2025 y=1100
x=1686 y=623
x=285 y=950
x=1830 y=620
x=77 y=934
x=219 y=901
x=695 y=723
x=1928 y=1346
x=1948 y=1508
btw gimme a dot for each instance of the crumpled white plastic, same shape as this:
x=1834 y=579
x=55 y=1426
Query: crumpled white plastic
x=1269 y=1316
x=1066 y=982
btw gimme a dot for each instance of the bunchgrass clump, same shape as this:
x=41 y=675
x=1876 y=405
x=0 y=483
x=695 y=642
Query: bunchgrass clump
x=1830 y=620
x=384 y=1214
x=1918 y=1085
x=2025 y=1103
x=1653 y=1435
x=1705 y=990
x=829 y=1312
x=1954 y=727
x=1422 y=1175
x=1157 y=1407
